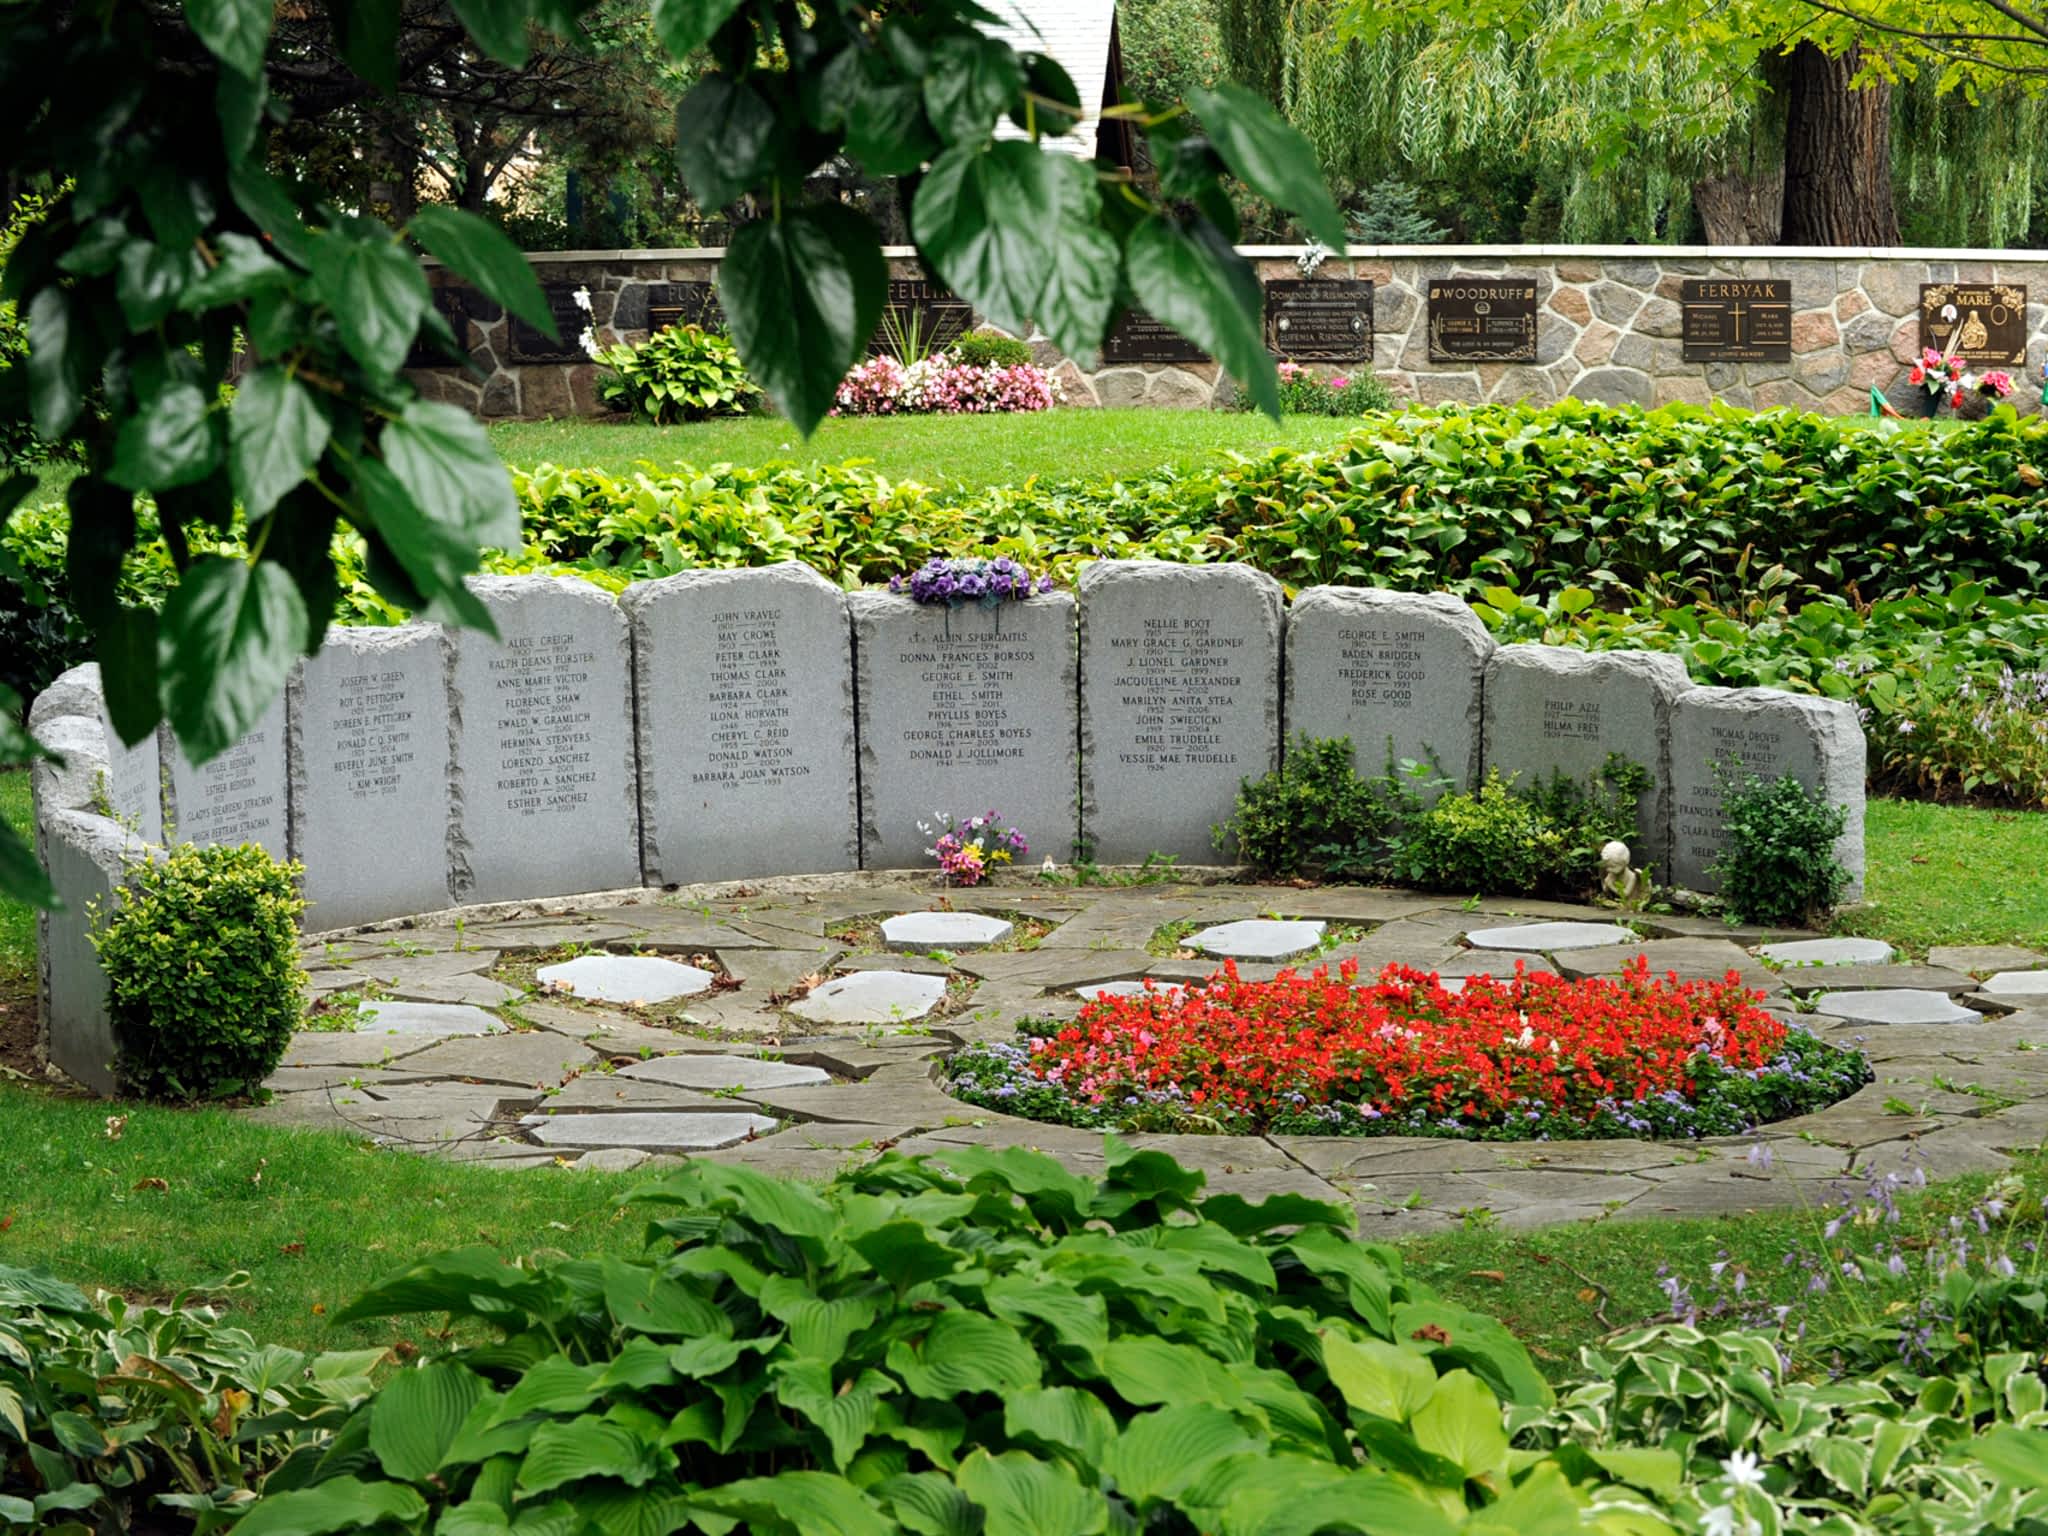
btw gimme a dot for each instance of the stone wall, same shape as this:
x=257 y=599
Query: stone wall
x=1608 y=327
x=735 y=724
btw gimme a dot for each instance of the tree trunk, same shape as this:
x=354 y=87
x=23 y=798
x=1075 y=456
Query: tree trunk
x=1735 y=209
x=1838 y=154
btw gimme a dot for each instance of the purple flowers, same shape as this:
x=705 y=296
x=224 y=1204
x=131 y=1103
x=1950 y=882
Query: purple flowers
x=959 y=582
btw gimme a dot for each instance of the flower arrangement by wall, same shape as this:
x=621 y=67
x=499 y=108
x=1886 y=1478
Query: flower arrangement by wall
x=1304 y=392
x=1526 y=1057
x=1970 y=395
x=970 y=851
x=945 y=384
x=955 y=583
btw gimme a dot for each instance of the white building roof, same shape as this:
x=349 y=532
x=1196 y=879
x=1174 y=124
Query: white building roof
x=1077 y=34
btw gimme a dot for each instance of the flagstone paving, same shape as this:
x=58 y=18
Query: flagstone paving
x=801 y=1054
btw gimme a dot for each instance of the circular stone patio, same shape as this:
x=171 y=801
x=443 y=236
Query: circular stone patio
x=808 y=1055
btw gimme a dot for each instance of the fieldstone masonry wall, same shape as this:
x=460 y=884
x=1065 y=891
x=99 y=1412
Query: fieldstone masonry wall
x=1608 y=327
x=724 y=725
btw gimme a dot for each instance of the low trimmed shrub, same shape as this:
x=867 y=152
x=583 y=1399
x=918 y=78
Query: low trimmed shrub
x=1777 y=861
x=987 y=349
x=202 y=961
x=680 y=373
x=1316 y=815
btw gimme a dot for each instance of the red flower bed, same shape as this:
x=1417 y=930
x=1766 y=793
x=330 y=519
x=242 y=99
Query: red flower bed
x=1531 y=1054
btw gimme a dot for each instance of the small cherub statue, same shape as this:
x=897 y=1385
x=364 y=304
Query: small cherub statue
x=1630 y=888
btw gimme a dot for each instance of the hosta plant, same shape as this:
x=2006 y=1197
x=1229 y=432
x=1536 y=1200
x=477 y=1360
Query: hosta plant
x=680 y=373
x=985 y=1344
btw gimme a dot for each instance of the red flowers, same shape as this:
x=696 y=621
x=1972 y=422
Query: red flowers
x=1300 y=1052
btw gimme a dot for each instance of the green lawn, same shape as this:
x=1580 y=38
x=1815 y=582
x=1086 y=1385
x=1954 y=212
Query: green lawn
x=17 y=920
x=1947 y=874
x=969 y=450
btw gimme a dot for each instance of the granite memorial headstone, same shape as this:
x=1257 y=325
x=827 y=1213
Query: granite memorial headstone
x=1770 y=734
x=1400 y=673
x=1180 y=701
x=368 y=721
x=744 y=682
x=545 y=783
x=964 y=710
x=237 y=797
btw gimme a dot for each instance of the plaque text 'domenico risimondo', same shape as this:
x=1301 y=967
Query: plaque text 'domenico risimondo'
x=1984 y=324
x=1482 y=319
x=1736 y=319
x=1320 y=320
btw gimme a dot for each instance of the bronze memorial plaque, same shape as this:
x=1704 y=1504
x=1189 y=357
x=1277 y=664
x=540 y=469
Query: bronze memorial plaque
x=1327 y=320
x=920 y=318
x=1482 y=319
x=1736 y=319
x=683 y=304
x=1985 y=323
x=528 y=345
x=1138 y=338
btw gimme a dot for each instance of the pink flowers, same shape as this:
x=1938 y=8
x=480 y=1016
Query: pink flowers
x=943 y=385
x=968 y=852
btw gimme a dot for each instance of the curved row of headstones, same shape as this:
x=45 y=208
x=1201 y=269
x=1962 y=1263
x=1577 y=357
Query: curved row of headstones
x=732 y=724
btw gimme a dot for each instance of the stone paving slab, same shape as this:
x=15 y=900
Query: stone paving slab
x=437 y=1019
x=1878 y=978
x=478 y=991
x=635 y=980
x=1897 y=1006
x=766 y=972
x=604 y=1092
x=2027 y=985
x=548 y=933
x=345 y=1048
x=658 y=1131
x=1258 y=938
x=739 y=1074
x=872 y=997
x=1549 y=938
x=1691 y=959
x=1980 y=959
x=1826 y=952
x=925 y=931
x=532 y=1058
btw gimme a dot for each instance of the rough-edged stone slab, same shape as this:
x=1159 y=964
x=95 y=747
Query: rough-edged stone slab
x=922 y=931
x=1546 y=938
x=625 y=978
x=1768 y=733
x=1180 y=702
x=964 y=710
x=87 y=858
x=1258 y=938
x=1897 y=1006
x=1978 y=958
x=389 y=1018
x=2028 y=984
x=690 y=1131
x=1550 y=709
x=545 y=788
x=1877 y=978
x=368 y=722
x=744 y=683
x=135 y=778
x=237 y=797
x=1400 y=673
x=1103 y=989
x=740 y=1074
x=871 y=997
x=1848 y=951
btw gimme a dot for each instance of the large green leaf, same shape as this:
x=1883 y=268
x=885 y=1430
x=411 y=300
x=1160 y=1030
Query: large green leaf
x=174 y=439
x=150 y=281
x=723 y=131
x=127 y=643
x=339 y=1504
x=1159 y=1454
x=1480 y=1343
x=445 y=461
x=464 y=243
x=1462 y=1423
x=1061 y=1419
x=60 y=356
x=1270 y=156
x=971 y=81
x=2018 y=1455
x=466 y=1281
x=965 y=1352
x=687 y=25
x=929 y=1504
x=845 y=1415
x=803 y=294
x=1378 y=1378
x=235 y=31
x=499 y=27
x=1260 y=1494
x=21 y=875
x=982 y=217
x=645 y=1301
x=241 y=270
x=434 y=553
x=231 y=632
x=808 y=1503
x=1023 y=1496
x=563 y=1452
x=377 y=294
x=1082 y=263
x=276 y=434
x=1146 y=1370
x=1193 y=281
x=904 y=1253
x=367 y=33
x=417 y=1415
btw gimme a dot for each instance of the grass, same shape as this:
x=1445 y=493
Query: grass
x=963 y=450
x=1947 y=874
x=17 y=919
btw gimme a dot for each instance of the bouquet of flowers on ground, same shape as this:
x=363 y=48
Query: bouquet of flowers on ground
x=1939 y=375
x=970 y=851
x=957 y=582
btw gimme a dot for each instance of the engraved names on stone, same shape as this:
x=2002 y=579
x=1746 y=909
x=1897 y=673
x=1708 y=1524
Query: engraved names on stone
x=1550 y=709
x=370 y=774
x=744 y=682
x=1984 y=324
x=546 y=799
x=1769 y=734
x=1735 y=320
x=963 y=711
x=1399 y=673
x=1180 y=700
x=238 y=797
x=1482 y=319
x=1327 y=320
